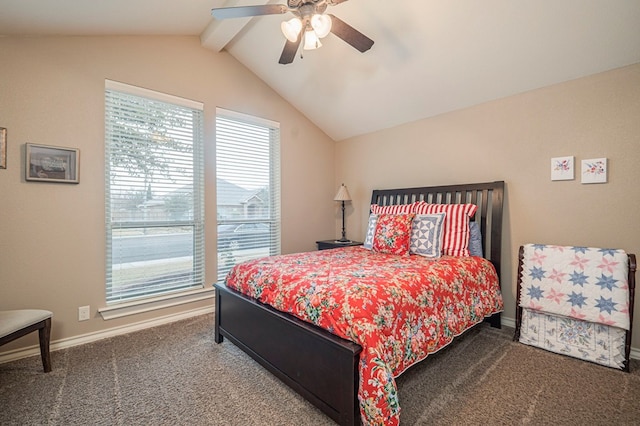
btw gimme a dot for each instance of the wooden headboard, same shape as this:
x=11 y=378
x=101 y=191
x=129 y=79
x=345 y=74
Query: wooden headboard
x=487 y=196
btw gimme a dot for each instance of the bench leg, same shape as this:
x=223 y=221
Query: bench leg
x=44 y=334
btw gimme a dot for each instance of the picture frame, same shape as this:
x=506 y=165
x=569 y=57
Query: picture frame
x=46 y=163
x=562 y=168
x=594 y=170
x=3 y=148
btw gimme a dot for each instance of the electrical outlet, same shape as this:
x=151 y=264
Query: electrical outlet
x=84 y=312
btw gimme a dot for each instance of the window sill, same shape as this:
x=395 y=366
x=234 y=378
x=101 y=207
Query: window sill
x=146 y=305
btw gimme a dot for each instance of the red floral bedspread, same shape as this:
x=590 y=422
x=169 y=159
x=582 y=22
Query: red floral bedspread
x=399 y=309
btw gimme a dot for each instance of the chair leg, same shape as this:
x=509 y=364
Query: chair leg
x=44 y=334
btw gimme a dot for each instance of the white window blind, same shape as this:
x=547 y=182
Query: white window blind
x=248 y=188
x=154 y=194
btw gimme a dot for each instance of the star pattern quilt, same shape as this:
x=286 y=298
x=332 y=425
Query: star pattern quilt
x=588 y=284
x=399 y=309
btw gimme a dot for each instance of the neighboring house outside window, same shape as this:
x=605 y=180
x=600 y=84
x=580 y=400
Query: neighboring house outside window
x=154 y=193
x=248 y=188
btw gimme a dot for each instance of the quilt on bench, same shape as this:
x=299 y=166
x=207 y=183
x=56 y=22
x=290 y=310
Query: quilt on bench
x=575 y=301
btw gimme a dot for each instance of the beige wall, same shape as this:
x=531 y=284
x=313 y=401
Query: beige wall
x=513 y=139
x=52 y=92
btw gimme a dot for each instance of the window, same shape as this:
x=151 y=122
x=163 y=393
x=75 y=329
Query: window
x=154 y=193
x=248 y=188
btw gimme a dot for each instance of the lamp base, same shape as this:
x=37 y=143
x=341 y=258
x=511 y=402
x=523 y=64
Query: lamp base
x=343 y=240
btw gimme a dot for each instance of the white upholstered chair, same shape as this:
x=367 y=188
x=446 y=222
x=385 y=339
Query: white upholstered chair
x=18 y=323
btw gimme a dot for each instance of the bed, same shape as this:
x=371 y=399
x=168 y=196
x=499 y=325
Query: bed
x=324 y=367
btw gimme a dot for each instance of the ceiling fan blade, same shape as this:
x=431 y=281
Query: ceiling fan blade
x=290 y=50
x=247 y=11
x=349 y=34
x=335 y=2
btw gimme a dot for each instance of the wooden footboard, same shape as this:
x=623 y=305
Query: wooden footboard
x=321 y=367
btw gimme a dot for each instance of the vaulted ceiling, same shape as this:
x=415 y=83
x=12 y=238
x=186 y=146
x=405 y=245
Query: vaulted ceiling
x=429 y=56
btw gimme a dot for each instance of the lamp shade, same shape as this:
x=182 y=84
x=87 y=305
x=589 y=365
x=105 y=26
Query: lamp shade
x=343 y=194
x=321 y=24
x=311 y=40
x=291 y=29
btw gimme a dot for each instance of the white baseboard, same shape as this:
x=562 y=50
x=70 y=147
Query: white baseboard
x=511 y=322
x=103 y=334
x=92 y=337
x=508 y=322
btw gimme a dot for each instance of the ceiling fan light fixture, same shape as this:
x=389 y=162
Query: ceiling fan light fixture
x=321 y=24
x=291 y=29
x=309 y=21
x=311 y=40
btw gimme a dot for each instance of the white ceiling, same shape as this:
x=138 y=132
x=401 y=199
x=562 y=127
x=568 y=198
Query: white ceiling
x=429 y=56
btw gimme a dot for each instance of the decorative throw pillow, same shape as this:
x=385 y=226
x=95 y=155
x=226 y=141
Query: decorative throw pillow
x=392 y=234
x=426 y=235
x=475 y=239
x=371 y=230
x=456 y=225
x=395 y=209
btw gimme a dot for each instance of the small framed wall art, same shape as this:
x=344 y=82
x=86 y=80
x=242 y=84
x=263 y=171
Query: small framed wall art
x=3 y=148
x=562 y=168
x=52 y=163
x=594 y=170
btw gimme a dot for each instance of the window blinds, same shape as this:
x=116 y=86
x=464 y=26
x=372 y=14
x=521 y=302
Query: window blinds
x=154 y=194
x=248 y=188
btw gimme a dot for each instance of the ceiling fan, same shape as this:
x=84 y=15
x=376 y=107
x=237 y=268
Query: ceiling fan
x=309 y=23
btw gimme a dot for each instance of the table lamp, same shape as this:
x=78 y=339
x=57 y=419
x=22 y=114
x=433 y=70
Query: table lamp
x=342 y=196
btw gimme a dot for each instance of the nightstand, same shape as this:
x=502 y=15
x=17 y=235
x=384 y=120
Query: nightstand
x=331 y=244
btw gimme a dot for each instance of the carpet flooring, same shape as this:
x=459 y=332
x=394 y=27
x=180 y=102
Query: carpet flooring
x=176 y=374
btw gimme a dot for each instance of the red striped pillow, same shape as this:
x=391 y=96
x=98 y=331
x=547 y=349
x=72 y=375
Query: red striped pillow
x=456 y=225
x=395 y=209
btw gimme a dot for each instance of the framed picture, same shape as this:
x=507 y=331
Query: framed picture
x=562 y=168
x=594 y=170
x=3 y=148
x=52 y=164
